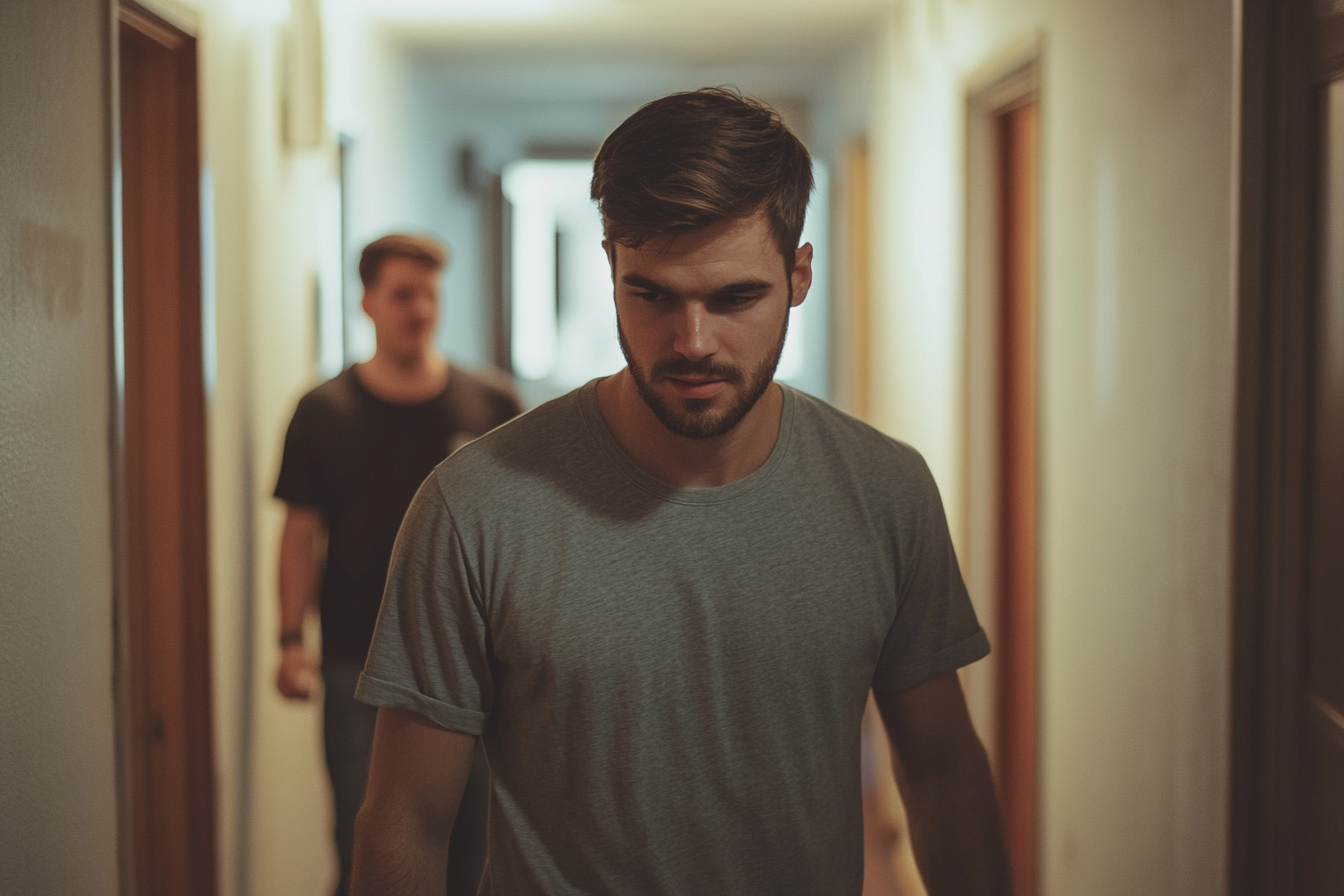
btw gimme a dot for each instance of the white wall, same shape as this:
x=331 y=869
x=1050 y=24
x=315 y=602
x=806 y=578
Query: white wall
x=58 y=810
x=262 y=257
x=1137 y=390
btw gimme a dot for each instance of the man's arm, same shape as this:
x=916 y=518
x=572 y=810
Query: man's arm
x=416 y=778
x=947 y=788
x=302 y=548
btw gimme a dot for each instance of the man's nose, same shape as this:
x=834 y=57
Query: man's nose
x=694 y=332
x=424 y=305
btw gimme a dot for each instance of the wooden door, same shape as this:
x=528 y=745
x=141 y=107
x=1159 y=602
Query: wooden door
x=1321 y=736
x=1288 y=688
x=165 y=612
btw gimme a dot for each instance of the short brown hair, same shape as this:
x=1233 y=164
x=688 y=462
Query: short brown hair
x=424 y=249
x=691 y=159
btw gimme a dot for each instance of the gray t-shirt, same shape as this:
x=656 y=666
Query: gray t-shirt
x=669 y=681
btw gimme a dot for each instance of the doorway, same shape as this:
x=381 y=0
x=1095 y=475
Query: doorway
x=1002 y=424
x=163 y=614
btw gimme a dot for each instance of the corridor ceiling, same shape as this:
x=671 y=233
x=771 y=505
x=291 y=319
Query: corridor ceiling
x=719 y=31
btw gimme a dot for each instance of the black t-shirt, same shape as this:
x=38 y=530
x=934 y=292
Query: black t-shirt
x=358 y=460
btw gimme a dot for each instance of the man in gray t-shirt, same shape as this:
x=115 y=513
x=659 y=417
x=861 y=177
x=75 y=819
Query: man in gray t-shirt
x=660 y=601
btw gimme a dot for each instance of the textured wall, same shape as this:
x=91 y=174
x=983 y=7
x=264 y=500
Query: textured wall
x=1137 y=445
x=58 y=822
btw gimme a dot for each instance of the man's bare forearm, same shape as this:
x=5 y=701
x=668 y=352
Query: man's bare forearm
x=944 y=776
x=302 y=546
x=956 y=830
x=416 y=778
x=394 y=855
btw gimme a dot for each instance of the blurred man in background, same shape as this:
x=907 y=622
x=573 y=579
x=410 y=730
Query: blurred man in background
x=356 y=450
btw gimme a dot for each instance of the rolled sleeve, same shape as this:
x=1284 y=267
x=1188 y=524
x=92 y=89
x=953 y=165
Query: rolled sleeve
x=429 y=652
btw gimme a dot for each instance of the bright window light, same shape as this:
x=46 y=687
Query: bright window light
x=564 y=323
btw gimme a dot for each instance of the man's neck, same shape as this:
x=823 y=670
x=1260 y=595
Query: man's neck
x=404 y=380
x=681 y=461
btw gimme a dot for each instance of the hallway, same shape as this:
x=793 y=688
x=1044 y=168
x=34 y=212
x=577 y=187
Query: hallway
x=1136 y=384
x=325 y=123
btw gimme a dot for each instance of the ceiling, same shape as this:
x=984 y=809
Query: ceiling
x=716 y=32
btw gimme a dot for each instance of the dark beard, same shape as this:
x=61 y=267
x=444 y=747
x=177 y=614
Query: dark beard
x=698 y=422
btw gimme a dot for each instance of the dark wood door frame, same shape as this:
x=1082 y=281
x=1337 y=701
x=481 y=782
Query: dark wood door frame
x=1018 y=566
x=162 y=607
x=1002 y=425
x=1287 y=49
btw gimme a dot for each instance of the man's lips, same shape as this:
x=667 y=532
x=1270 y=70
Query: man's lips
x=697 y=387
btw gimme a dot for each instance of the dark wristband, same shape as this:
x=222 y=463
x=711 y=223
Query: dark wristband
x=291 y=637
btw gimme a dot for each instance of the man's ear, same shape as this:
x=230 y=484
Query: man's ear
x=801 y=275
x=364 y=301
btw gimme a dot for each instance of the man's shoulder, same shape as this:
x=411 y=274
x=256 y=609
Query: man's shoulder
x=335 y=397
x=541 y=439
x=841 y=431
x=479 y=399
x=835 y=445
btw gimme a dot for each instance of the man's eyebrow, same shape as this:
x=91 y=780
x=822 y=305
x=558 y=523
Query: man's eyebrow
x=743 y=286
x=640 y=282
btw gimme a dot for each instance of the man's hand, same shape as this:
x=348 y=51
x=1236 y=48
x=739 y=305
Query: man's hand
x=303 y=545
x=947 y=789
x=296 y=678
